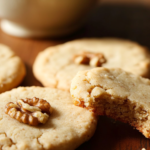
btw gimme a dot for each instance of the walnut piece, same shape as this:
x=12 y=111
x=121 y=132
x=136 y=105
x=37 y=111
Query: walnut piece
x=89 y=58
x=31 y=111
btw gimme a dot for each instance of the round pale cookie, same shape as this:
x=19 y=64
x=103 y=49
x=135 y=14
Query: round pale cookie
x=68 y=126
x=115 y=93
x=55 y=66
x=12 y=69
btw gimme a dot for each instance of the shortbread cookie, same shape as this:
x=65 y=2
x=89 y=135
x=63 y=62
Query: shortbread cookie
x=67 y=127
x=12 y=69
x=56 y=66
x=115 y=93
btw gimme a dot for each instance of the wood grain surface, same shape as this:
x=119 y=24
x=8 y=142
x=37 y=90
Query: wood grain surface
x=145 y=2
x=122 y=21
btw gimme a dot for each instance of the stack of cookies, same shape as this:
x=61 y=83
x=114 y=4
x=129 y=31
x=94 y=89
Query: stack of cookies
x=83 y=78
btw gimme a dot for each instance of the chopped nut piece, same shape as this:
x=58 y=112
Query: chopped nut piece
x=31 y=111
x=27 y=107
x=92 y=59
x=82 y=60
x=42 y=117
x=95 y=62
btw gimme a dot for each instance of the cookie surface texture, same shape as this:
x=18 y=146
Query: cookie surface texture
x=12 y=69
x=67 y=127
x=115 y=93
x=54 y=67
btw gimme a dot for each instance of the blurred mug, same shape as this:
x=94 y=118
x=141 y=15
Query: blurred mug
x=41 y=18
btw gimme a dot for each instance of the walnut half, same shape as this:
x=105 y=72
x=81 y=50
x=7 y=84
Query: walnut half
x=31 y=111
x=89 y=58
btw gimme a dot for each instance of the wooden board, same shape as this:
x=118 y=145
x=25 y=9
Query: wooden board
x=129 y=22
x=145 y=2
